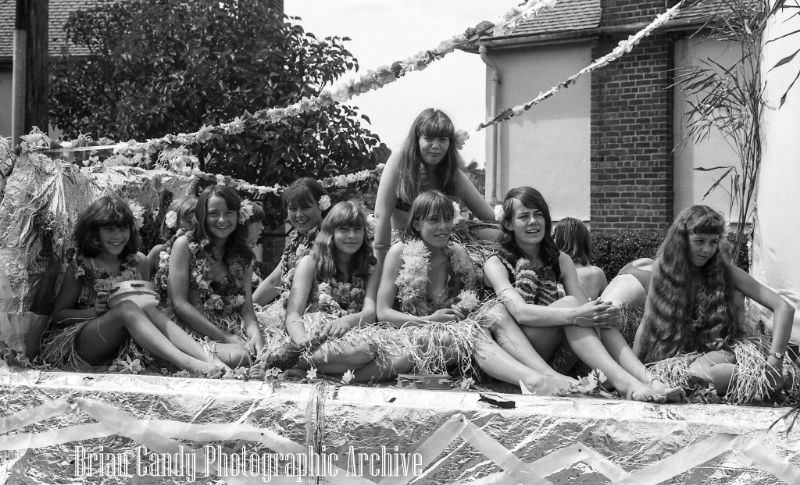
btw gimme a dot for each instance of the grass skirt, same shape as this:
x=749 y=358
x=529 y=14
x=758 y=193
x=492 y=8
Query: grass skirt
x=58 y=349
x=750 y=384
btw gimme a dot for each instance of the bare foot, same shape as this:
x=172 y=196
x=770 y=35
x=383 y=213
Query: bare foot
x=547 y=385
x=208 y=369
x=671 y=394
x=642 y=392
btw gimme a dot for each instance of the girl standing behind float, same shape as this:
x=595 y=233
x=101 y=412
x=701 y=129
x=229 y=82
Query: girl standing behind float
x=334 y=291
x=209 y=278
x=428 y=160
x=525 y=274
x=84 y=332
x=694 y=310
x=572 y=237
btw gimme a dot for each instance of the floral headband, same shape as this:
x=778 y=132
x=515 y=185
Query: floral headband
x=246 y=211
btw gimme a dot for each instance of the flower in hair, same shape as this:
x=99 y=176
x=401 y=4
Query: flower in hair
x=171 y=219
x=246 y=211
x=461 y=137
x=220 y=179
x=324 y=202
x=499 y=213
x=138 y=214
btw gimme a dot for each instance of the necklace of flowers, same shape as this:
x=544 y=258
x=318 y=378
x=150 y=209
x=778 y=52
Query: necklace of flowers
x=220 y=298
x=414 y=275
x=100 y=280
x=297 y=246
x=339 y=298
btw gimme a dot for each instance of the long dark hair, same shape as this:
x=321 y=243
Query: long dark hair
x=668 y=326
x=236 y=244
x=109 y=210
x=436 y=124
x=344 y=214
x=532 y=199
x=572 y=236
x=303 y=193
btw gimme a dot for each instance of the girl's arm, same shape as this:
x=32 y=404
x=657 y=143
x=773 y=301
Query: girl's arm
x=387 y=291
x=143 y=266
x=64 y=306
x=384 y=205
x=298 y=298
x=341 y=325
x=268 y=289
x=153 y=258
x=178 y=291
x=569 y=277
x=782 y=311
x=496 y=275
x=249 y=320
x=473 y=199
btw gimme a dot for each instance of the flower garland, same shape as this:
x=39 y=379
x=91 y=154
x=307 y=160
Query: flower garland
x=414 y=275
x=219 y=299
x=622 y=48
x=297 y=246
x=95 y=281
x=346 y=89
x=338 y=298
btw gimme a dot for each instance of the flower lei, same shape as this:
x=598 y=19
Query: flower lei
x=338 y=298
x=414 y=275
x=297 y=246
x=93 y=281
x=219 y=299
x=530 y=285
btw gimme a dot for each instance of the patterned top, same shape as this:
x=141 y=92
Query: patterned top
x=537 y=286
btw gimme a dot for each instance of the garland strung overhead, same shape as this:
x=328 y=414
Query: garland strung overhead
x=621 y=49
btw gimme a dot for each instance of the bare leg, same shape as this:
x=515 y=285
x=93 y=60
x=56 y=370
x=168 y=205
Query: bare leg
x=521 y=343
x=336 y=359
x=376 y=370
x=102 y=337
x=179 y=337
x=702 y=365
x=501 y=365
x=589 y=348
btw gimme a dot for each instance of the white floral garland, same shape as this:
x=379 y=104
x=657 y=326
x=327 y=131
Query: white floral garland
x=622 y=48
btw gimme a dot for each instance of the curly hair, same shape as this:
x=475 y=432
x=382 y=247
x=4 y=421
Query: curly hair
x=344 y=214
x=690 y=308
x=431 y=205
x=531 y=199
x=236 y=244
x=572 y=236
x=109 y=210
x=433 y=123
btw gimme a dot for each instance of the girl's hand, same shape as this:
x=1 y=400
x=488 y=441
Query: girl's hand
x=230 y=338
x=335 y=328
x=101 y=303
x=254 y=345
x=445 y=315
x=773 y=371
x=596 y=314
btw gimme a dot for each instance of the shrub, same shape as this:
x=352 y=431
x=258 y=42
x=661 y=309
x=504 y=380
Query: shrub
x=611 y=250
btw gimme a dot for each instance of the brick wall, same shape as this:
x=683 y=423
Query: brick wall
x=631 y=127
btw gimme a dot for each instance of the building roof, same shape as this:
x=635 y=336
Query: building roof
x=585 y=16
x=565 y=15
x=59 y=11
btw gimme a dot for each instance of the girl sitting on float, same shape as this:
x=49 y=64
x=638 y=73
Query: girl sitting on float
x=428 y=160
x=84 y=332
x=333 y=292
x=429 y=288
x=209 y=279
x=178 y=220
x=524 y=275
x=694 y=314
x=306 y=202
x=572 y=237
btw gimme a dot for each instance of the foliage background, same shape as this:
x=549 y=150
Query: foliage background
x=169 y=66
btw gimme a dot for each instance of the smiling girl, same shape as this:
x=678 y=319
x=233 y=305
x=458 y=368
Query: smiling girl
x=525 y=274
x=209 y=279
x=694 y=311
x=84 y=332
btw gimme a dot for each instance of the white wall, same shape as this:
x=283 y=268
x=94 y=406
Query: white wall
x=691 y=184
x=547 y=147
